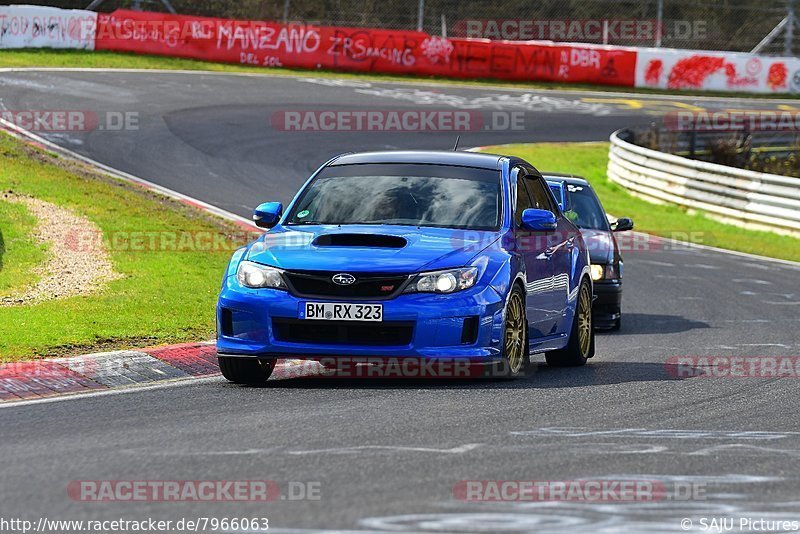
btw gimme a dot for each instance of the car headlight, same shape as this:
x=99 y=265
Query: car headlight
x=603 y=272
x=447 y=281
x=255 y=275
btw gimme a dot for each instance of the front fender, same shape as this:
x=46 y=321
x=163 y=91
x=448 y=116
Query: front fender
x=579 y=267
x=233 y=264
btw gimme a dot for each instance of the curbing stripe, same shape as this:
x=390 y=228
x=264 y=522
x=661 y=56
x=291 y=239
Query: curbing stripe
x=38 y=379
x=105 y=370
x=191 y=358
x=128 y=370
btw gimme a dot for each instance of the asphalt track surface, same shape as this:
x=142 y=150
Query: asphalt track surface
x=387 y=454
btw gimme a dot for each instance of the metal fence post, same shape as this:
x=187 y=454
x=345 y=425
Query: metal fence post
x=788 y=37
x=659 y=22
x=421 y=15
x=286 y=11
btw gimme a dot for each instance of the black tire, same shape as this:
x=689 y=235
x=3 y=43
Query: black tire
x=576 y=353
x=246 y=370
x=511 y=366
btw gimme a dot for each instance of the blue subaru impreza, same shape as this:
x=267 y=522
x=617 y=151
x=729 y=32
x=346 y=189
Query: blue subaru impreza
x=420 y=254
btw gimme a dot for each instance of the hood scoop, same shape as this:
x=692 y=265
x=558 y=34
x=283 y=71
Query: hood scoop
x=360 y=240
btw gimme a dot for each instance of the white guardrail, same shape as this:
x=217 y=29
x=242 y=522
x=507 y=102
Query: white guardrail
x=747 y=198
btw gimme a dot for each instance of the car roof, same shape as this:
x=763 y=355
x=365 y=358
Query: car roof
x=433 y=157
x=567 y=178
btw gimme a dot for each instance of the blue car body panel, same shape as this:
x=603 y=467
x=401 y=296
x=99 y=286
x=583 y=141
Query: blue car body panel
x=548 y=265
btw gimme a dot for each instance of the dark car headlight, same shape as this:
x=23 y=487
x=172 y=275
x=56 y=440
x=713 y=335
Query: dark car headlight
x=446 y=281
x=257 y=276
x=604 y=271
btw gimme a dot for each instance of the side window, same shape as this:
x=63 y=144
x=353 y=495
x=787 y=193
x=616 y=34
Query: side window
x=538 y=190
x=523 y=199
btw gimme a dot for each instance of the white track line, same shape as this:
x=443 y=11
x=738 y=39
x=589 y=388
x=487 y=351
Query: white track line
x=420 y=83
x=184 y=381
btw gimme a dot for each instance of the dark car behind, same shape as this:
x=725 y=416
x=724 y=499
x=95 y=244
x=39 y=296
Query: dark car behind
x=581 y=205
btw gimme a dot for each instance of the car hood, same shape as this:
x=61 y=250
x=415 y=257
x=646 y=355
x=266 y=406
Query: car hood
x=368 y=248
x=600 y=244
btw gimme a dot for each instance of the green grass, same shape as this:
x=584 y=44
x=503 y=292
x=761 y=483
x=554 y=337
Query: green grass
x=19 y=251
x=164 y=296
x=122 y=60
x=590 y=161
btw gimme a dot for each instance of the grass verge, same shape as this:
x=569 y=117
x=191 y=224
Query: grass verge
x=165 y=250
x=25 y=58
x=590 y=160
x=20 y=253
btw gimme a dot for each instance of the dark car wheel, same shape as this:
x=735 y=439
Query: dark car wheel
x=516 y=355
x=581 y=340
x=246 y=370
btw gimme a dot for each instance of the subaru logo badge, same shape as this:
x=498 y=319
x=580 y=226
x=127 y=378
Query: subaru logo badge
x=344 y=279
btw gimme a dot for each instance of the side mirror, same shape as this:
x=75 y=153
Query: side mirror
x=623 y=224
x=538 y=220
x=268 y=214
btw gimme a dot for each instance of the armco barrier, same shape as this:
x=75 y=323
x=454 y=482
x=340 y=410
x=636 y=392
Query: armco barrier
x=747 y=198
x=46 y=27
x=361 y=49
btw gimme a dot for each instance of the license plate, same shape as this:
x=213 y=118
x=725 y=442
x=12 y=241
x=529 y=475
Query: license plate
x=341 y=311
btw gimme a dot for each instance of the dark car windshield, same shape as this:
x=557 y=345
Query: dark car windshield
x=584 y=208
x=402 y=194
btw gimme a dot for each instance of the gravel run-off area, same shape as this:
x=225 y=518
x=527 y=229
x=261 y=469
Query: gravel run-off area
x=77 y=263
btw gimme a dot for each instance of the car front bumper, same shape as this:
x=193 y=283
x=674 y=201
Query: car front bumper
x=264 y=323
x=607 y=305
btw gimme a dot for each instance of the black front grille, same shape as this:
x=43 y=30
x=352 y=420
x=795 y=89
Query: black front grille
x=320 y=284
x=385 y=334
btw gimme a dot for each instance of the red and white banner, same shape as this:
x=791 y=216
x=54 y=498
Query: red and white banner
x=716 y=71
x=270 y=44
x=46 y=27
x=358 y=49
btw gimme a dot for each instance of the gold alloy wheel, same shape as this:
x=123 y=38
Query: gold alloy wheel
x=585 y=320
x=515 y=333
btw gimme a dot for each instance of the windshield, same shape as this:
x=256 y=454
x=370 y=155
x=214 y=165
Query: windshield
x=584 y=208
x=415 y=195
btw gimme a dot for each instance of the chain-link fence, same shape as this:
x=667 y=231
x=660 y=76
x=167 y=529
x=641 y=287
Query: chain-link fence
x=766 y=26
